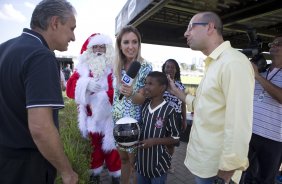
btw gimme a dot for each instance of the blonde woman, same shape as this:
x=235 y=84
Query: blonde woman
x=128 y=49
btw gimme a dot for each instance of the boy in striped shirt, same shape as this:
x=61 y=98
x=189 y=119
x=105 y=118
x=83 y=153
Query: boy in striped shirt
x=159 y=128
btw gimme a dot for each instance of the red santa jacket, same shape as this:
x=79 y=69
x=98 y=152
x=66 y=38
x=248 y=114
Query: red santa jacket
x=94 y=109
x=70 y=91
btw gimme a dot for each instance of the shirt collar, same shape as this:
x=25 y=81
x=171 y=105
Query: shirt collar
x=156 y=108
x=36 y=35
x=216 y=53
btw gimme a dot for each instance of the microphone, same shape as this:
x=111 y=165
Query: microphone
x=130 y=75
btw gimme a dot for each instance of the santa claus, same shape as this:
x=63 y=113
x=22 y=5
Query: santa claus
x=91 y=87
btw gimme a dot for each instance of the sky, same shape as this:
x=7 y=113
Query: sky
x=92 y=16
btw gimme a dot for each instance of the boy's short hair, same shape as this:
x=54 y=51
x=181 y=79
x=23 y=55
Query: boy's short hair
x=161 y=77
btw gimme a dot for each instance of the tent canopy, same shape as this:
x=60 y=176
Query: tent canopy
x=163 y=22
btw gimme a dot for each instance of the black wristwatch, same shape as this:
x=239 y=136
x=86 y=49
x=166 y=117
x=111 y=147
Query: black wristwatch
x=219 y=180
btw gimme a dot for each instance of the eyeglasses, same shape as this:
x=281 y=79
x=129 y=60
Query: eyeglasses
x=275 y=43
x=191 y=25
x=99 y=46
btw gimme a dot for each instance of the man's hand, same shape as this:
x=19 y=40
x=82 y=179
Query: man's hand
x=93 y=86
x=226 y=175
x=70 y=178
x=47 y=139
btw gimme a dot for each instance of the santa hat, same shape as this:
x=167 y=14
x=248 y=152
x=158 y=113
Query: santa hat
x=95 y=39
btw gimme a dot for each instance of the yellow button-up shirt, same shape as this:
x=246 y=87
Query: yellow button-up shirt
x=223 y=112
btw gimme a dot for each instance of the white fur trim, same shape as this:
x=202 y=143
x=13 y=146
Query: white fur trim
x=101 y=111
x=82 y=67
x=108 y=140
x=82 y=119
x=115 y=174
x=96 y=171
x=99 y=39
x=101 y=120
x=81 y=90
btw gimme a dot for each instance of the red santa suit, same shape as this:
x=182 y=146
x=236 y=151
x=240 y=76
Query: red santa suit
x=95 y=116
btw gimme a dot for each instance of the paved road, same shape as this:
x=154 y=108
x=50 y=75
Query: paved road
x=181 y=174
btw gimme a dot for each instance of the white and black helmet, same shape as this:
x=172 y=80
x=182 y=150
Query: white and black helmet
x=126 y=132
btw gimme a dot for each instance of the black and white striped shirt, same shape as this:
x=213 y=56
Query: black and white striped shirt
x=267 y=120
x=159 y=122
x=175 y=102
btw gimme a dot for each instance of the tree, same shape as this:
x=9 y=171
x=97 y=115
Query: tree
x=193 y=67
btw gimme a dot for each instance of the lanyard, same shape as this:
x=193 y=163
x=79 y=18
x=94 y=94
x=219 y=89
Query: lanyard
x=272 y=75
x=261 y=96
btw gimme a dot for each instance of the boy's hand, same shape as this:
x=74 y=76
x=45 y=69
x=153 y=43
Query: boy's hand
x=147 y=143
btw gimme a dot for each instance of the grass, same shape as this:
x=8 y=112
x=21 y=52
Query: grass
x=76 y=148
x=191 y=83
x=191 y=80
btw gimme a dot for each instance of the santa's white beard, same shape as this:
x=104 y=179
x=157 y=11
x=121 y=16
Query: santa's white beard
x=97 y=64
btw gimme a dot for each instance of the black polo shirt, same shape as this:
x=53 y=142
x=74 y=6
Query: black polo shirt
x=29 y=78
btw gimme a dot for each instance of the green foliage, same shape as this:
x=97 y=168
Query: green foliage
x=191 y=80
x=184 y=66
x=193 y=67
x=76 y=148
x=191 y=83
x=191 y=90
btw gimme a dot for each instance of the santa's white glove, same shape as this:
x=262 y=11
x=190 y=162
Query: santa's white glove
x=93 y=86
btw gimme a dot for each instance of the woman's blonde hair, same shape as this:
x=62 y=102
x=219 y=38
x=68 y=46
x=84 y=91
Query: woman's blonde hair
x=120 y=58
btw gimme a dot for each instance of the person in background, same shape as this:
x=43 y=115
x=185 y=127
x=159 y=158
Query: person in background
x=63 y=81
x=171 y=68
x=30 y=95
x=159 y=129
x=67 y=72
x=223 y=107
x=91 y=87
x=128 y=49
x=266 y=143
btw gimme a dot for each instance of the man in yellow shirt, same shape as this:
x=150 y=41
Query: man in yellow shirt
x=223 y=106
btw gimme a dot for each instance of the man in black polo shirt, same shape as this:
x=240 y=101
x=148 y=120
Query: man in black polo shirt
x=30 y=96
